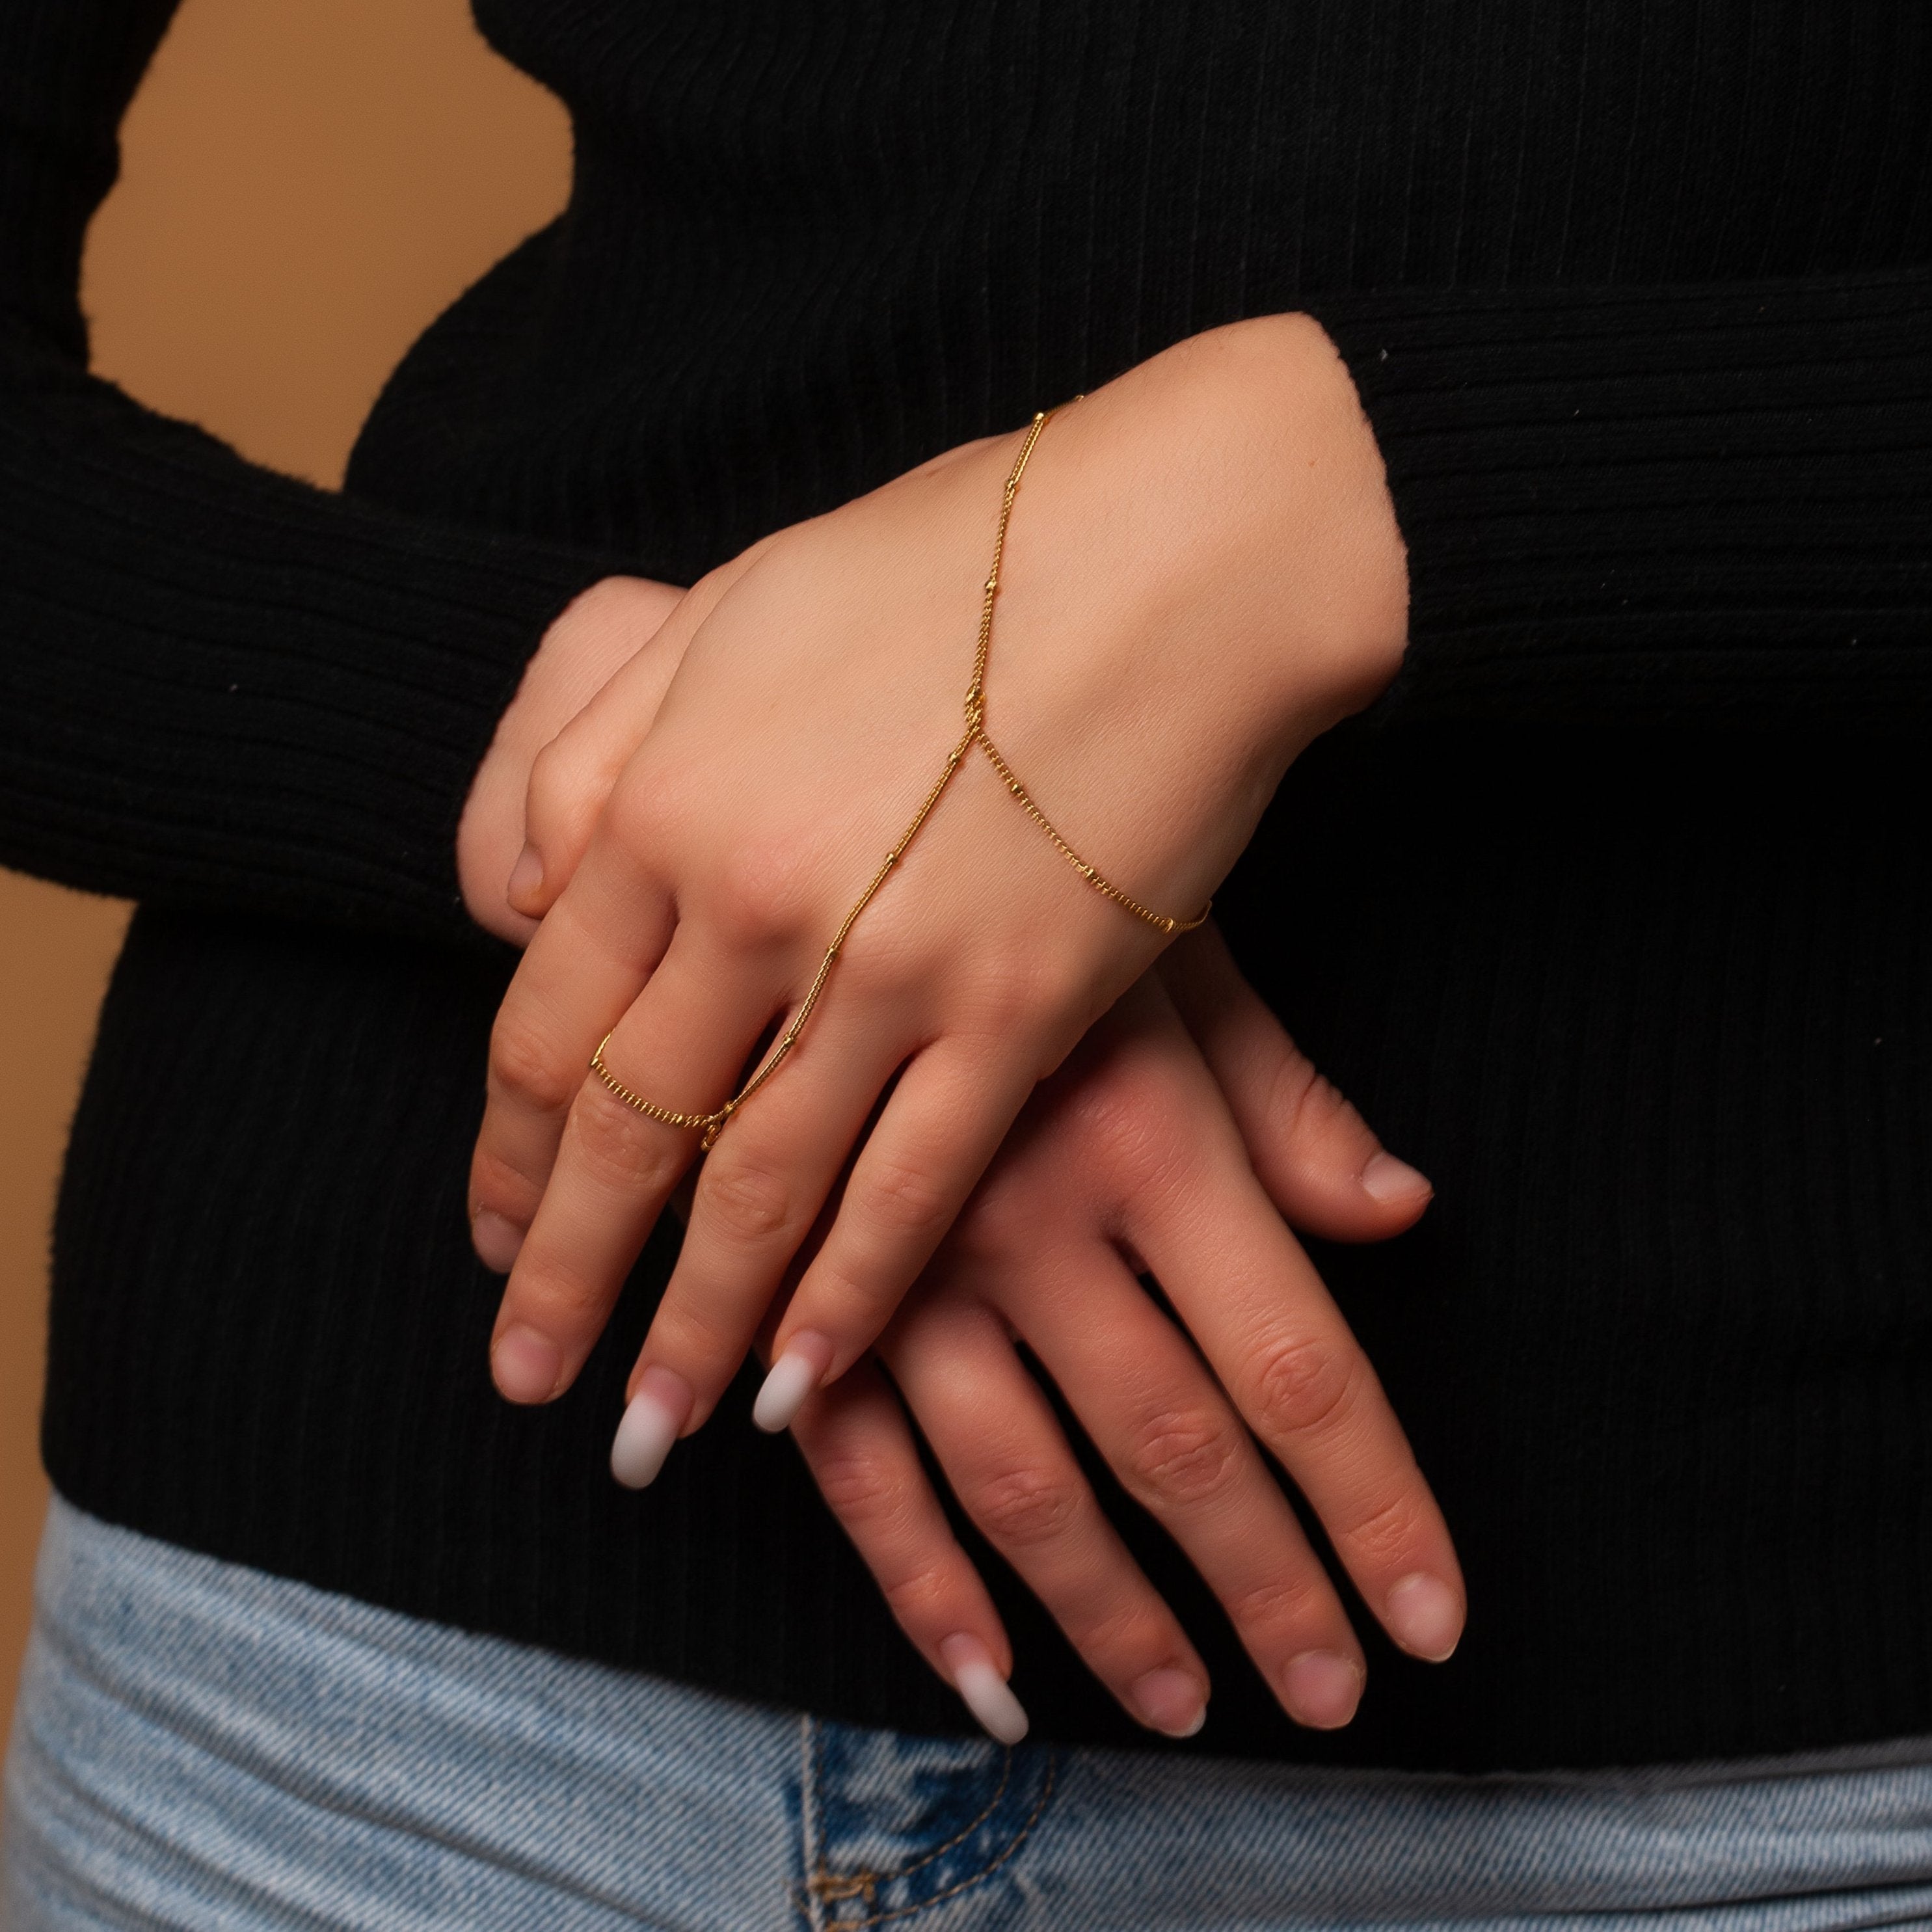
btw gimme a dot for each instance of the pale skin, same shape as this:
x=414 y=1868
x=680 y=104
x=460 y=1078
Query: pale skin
x=697 y=830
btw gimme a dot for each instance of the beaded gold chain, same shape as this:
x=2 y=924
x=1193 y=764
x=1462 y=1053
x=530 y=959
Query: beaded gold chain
x=710 y=1126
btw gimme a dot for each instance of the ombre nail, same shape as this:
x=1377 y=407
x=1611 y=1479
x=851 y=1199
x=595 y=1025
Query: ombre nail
x=1321 y=1690
x=1386 y=1179
x=655 y=1413
x=1425 y=1616
x=1170 y=1701
x=793 y=1376
x=982 y=1690
x=526 y=1366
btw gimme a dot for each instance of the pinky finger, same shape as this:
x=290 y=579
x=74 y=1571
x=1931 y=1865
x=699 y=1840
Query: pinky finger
x=859 y=1448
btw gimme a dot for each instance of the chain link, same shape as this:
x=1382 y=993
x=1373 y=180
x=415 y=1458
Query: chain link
x=710 y=1126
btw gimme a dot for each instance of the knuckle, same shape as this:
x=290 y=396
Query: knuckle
x=526 y=1064
x=1006 y=992
x=701 y=1339
x=859 y=1490
x=914 y=1598
x=747 y=1203
x=1000 y=1223
x=1112 y=1632
x=552 y=794
x=881 y=958
x=1303 y=1387
x=1305 y=1105
x=1024 y=1506
x=1279 y=1609
x=618 y=1147
x=903 y=1196
x=762 y=893
x=557 y=1301
x=1123 y=1121
x=1182 y=1457
x=495 y=1184
x=1383 y=1533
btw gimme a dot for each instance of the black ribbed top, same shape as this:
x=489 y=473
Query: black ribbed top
x=1615 y=915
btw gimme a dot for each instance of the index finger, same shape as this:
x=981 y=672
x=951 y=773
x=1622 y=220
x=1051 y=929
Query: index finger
x=577 y=979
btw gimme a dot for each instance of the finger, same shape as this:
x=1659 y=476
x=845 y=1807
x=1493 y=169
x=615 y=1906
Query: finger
x=763 y=1188
x=1004 y=1451
x=1319 y=1160
x=680 y=1047
x=581 y=973
x=857 y=1443
x=572 y=776
x=944 y=1122
x=1248 y=1295
x=1180 y=1451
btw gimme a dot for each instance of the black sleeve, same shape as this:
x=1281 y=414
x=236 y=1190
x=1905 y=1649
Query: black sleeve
x=217 y=686
x=1653 y=504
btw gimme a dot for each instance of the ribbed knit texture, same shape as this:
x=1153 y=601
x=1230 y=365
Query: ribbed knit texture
x=219 y=687
x=1615 y=915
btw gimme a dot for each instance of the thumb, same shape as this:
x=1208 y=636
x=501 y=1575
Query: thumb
x=1322 y=1164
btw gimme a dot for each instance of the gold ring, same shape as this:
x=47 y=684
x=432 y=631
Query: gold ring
x=707 y=1124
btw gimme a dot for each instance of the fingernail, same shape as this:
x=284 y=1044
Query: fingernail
x=527 y=1367
x=655 y=1413
x=793 y=1376
x=981 y=1689
x=1387 y=1179
x=497 y=1240
x=1170 y=1701
x=1425 y=1616
x=1321 y=1690
x=525 y=877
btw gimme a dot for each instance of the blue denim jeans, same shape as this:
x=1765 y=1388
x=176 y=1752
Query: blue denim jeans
x=202 y=1746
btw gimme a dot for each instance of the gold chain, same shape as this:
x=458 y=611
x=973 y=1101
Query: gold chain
x=710 y=1126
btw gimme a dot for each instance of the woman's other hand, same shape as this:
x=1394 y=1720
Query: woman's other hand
x=1205 y=574
x=1130 y=1157
x=616 y=620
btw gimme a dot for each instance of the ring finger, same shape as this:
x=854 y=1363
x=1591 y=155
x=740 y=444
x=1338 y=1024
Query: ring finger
x=1007 y=1458
x=680 y=1046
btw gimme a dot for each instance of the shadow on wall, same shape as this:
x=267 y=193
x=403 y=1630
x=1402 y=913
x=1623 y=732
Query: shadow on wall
x=304 y=187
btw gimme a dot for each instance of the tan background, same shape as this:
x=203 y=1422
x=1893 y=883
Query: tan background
x=304 y=184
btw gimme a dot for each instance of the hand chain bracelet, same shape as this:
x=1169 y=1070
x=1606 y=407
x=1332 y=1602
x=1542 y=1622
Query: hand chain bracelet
x=710 y=1125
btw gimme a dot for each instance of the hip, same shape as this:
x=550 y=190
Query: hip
x=201 y=1743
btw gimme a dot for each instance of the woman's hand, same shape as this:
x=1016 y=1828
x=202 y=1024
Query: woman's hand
x=1129 y=1151
x=1203 y=575
x=1132 y=1130
x=618 y=621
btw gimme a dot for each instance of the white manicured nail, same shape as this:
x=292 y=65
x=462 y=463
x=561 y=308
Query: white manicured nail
x=651 y=1422
x=982 y=1690
x=793 y=1376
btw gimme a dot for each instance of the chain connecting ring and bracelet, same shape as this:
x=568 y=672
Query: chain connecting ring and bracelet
x=710 y=1126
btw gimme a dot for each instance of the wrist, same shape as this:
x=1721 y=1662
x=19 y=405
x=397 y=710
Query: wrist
x=1350 y=569
x=1205 y=574
x=1307 y=506
x=1246 y=503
